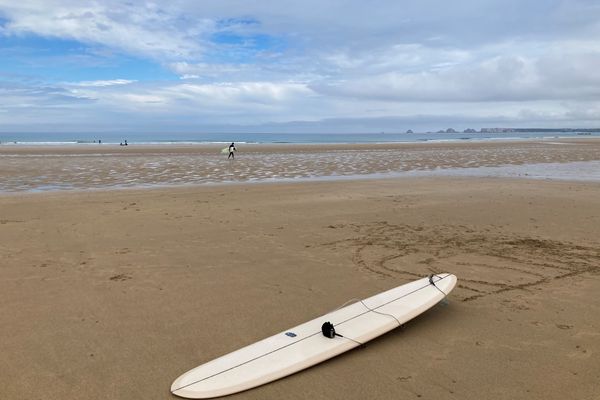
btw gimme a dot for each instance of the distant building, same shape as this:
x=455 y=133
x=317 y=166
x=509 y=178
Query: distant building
x=496 y=130
x=469 y=130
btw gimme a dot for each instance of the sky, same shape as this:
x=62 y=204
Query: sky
x=313 y=66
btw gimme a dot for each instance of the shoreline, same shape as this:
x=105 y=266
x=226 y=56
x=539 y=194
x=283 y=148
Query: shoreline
x=183 y=144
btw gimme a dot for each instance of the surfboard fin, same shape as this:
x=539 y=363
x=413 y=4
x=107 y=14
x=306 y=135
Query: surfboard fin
x=329 y=330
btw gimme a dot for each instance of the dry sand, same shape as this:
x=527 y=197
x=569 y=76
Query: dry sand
x=113 y=294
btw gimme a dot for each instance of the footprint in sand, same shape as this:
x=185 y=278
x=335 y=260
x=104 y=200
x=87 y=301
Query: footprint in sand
x=120 y=277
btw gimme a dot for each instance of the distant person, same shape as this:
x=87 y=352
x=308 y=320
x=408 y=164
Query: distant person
x=232 y=149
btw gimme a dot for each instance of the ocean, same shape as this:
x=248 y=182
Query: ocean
x=266 y=138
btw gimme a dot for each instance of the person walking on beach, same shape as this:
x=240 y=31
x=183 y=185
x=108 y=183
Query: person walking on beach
x=231 y=150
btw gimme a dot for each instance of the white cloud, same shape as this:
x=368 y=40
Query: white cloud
x=250 y=102
x=203 y=70
x=102 y=83
x=137 y=28
x=559 y=71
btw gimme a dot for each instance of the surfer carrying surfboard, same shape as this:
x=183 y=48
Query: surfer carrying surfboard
x=231 y=150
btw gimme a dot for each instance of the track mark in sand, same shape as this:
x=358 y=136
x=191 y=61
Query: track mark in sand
x=564 y=326
x=120 y=277
x=487 y=262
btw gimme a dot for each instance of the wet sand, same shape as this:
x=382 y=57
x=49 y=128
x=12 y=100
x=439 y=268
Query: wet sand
x=80 y=167
x=113 y=294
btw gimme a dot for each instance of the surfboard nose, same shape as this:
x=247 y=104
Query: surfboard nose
x=447 y=283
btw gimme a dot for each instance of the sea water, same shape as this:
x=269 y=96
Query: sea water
x=58 y=138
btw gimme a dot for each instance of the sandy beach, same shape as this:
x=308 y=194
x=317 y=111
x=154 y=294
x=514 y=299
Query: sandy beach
x=112 y=294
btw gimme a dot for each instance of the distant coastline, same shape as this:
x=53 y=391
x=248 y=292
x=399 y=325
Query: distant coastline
x=516 y=130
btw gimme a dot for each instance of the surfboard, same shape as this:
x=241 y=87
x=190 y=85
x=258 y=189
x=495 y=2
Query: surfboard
x=305 y=345
x=225 y=150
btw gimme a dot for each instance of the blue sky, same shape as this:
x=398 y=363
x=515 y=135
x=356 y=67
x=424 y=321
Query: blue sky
x=56 y=60
x=286 y=66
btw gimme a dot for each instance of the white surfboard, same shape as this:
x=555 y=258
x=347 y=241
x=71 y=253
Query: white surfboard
x=225 y=150
x=306 y=345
